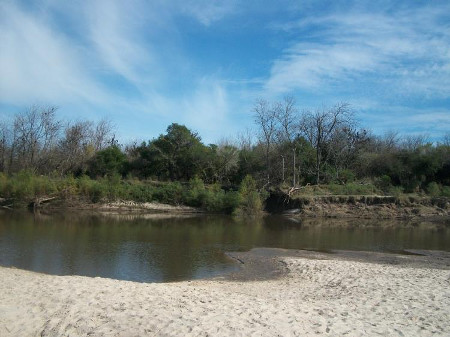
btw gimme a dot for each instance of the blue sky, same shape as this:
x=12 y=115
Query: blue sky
x=146 y=64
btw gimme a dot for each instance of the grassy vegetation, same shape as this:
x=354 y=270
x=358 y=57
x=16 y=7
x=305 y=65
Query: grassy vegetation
x=354 y=188
x=24 y=187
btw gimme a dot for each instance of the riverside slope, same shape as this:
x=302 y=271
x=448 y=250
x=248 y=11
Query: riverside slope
x=320 y=294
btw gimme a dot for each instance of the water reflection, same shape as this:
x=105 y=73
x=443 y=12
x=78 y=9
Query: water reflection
x=156 y=248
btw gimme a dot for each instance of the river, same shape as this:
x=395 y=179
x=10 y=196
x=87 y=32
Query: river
x=161 y=248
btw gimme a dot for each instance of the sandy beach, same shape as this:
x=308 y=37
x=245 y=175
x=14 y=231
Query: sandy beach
x=307 y=294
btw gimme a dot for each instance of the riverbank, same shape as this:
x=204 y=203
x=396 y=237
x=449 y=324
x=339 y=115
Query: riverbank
x=360 y=206
x=309 y=293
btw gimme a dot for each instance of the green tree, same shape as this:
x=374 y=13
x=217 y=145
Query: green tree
x=250 y=199
x=108 y=162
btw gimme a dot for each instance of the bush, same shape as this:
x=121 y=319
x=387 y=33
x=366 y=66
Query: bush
x=351 y=189
x=445 y=191
x=92 y=190
x=114 y=188
x=26 y=185
x=433 y=189
x=3 y=184
x=384 y=183
x=169 y=193
x=250 y=202
x=347 y=176
x=196 y=194
x=139 y=192
x=68 y=187
x=395 y=191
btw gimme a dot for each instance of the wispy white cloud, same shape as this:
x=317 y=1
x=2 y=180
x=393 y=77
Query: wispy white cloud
x=130 y=39
x=405 y=51
x=207 y=12
x=39 y=64
x=133 y=59
x=410 y=121
x=207 y=107
x=111 y=56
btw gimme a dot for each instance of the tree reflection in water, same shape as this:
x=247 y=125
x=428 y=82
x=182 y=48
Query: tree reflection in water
x=156 y=248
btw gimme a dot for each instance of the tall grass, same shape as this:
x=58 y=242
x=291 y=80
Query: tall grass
x=24 y=186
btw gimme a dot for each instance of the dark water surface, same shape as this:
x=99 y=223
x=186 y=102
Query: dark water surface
x=155 y=249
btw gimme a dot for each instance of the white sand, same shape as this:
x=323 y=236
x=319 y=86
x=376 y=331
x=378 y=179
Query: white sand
x=330 y=297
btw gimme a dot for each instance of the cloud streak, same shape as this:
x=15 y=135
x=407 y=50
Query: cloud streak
x=406 y=52
x=37 y=63
x=146 y=64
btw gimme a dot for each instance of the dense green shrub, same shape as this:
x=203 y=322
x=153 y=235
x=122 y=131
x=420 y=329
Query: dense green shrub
x=433 y=189
x=169 y=193
x=351 y=189
x=250 y=202
x=347 y=176
x=26 y=185
x=384 y=183
x=445 y=191
x=108 y=162
x=138 y=192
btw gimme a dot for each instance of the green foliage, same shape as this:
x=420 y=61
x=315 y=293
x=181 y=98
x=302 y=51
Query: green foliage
x=177 y=168
x=25 y=185
x=250 y=199
x=3 y=183
x=433 y=189
x=114 y=187
x=445 y=191
x=210 y=198
x=351 y=189
x=108 y=162
x=67 y=187
x=138 y=191
x=92 y=190
x=347 y=176
x=169 y=193
x=395 y=191
x=179 y=155
x=196 y=194
x=384 y=183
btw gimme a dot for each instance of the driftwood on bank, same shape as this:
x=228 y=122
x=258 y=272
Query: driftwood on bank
x=39 y=201
x=294 y=189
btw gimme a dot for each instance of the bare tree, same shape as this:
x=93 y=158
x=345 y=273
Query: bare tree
x=227 y=159
x=413 y=142
x=5 y=146
x=286 y=115
x=446 y=139
x=102 y=135
x=34 y=135
x=245 y=139
x=265 y=118
x=345 y=146
x=76 y=147
x=390 y=141
x=318 y=128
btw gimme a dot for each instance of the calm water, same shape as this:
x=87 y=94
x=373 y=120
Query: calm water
x=154 y=250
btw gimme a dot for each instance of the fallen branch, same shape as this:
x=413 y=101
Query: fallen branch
x=38 y=201
x=294 y=189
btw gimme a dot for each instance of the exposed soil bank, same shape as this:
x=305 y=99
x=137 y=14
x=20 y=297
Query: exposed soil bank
x=359 y=206
x=54 y=204
x=335 y=206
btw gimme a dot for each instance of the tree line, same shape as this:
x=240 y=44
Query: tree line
x=293 y=148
